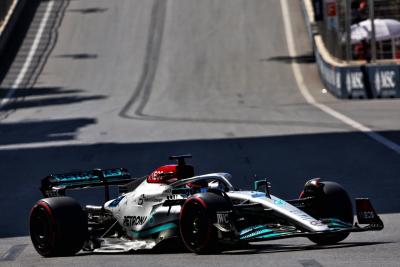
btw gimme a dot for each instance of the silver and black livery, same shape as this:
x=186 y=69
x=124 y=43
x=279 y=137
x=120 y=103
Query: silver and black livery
x=205 y=212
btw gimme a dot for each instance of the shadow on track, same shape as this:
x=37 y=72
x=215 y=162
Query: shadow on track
x=41 y=131
x=77 y=56
x=49 y=96
x=91 y=10
x=302 y=59
x=362 y=166
x=34 y=103
x=249 y=249
x=41 y=91
x=279 y=248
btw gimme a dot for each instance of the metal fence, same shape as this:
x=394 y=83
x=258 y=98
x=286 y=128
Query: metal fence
x=4 y=6
x=336 y=20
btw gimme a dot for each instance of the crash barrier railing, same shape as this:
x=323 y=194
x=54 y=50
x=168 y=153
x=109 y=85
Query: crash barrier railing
x=358 y=81
x=338 y=20
x=390 y=9
x=10 y=11
x=354 y=79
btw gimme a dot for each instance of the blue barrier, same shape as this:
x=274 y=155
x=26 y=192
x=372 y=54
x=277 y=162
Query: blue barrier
x=384 y=80
x=342 y=82
x=331 y=76
x=355 y=81
x=365 y=81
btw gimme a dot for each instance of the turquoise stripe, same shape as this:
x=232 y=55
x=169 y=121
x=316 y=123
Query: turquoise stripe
x=271 y=235
x=248 y=230
x=256 y=233
x=154 y=230
x=338 y=226
x=339 y=222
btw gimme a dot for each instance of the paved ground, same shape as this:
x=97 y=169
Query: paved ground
x=127 y=83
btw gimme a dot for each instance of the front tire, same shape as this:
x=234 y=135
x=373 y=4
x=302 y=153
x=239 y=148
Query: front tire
x=197 y=217
x=58 y=226
x=331 y=201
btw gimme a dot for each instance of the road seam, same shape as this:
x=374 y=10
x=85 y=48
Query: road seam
x=29 y=58
x=311 y=100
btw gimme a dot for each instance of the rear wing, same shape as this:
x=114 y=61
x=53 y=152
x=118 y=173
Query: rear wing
x=56 y=184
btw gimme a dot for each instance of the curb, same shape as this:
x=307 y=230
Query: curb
x=355 y=80
x=9 y=22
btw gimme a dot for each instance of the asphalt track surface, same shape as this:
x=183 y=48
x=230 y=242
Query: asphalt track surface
x=125 y=83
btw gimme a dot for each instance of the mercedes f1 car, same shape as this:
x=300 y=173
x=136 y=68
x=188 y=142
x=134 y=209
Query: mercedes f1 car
x=205 y=213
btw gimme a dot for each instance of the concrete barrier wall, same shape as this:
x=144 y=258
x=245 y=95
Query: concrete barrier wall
x=346 y=80
x=11 y=16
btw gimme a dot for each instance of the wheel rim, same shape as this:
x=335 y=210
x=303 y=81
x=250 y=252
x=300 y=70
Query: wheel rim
x=195 y=226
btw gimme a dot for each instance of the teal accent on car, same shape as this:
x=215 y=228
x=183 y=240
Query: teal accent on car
x=256 y=233
x=279 y=202
x=88 y=177
x=270 y=235
x=157 y=229
x=252 y=228
x=337 y=224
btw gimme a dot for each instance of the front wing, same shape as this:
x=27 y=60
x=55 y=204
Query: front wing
x=366 y=215
x=265 y=232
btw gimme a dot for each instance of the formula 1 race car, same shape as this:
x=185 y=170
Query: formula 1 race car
x=205 y=213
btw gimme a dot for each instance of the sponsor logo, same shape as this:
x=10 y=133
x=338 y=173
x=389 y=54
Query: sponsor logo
x=338 y=85
x=366 y=214
x=223 y=218
x=171 y=197
x=330 y=75
x=156 y=175
x=302 y=215
x=316 y=223
x=385 y=80
x=279 y=202
x=143 y=199
x=354 y=80
x=130 y=221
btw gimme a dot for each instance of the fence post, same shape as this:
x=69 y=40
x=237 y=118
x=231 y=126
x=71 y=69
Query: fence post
x=373 y=37
x=348 y=29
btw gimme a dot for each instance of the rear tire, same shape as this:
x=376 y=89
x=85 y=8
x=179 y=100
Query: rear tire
x=58 y=226
x=332 y=201
x=197 y=217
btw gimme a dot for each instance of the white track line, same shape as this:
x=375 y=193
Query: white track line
x=29 y=58
x=311 y=100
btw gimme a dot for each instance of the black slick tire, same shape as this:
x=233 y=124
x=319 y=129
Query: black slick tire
x=197 y=217
x=58 y=226
x=331 y=201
